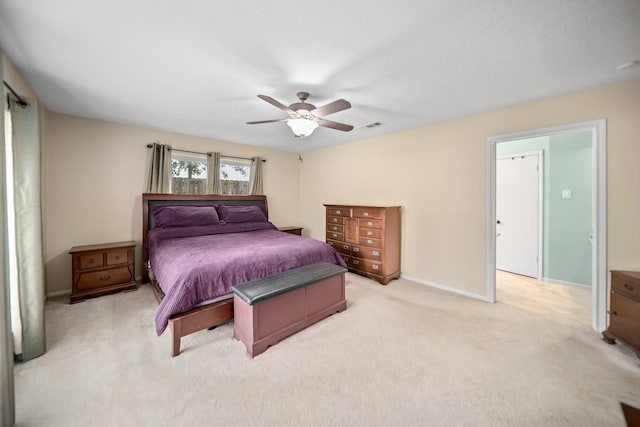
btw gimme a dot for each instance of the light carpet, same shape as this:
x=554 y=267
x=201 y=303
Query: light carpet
x=400 y=355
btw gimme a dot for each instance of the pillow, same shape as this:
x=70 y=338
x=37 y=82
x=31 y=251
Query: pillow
x=184 y=216
x=238 y=213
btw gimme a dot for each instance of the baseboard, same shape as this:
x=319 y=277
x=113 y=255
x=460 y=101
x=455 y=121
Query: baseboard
x=447 y=288
x=68 y=291
x=562 y=282
x=59 y=293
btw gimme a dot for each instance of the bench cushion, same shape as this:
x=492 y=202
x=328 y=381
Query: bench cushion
x=268 y=287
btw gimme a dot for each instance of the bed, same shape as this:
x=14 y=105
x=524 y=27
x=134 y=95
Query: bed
x=196 y=247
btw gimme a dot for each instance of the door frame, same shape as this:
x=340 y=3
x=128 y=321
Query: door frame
x=598 y=129
x=540 y=157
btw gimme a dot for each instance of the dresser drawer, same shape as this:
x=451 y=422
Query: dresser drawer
x=335 y=227
x=367 y=213
x=625 y=284
x=99 y=279
x=370 y=232
x=117 y=257
x=339 y=211
x=340 y=246
x=374 y=243
x=624 y=320
x=347 y=259
x=366 y=252
x=334 y=236
x=334 y=220
x=366 y=265
x=371 y=223
x=91 y=260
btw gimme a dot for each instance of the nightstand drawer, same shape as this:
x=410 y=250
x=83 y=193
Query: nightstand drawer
x=117 y=257
x=102 y=278
x=91 y=261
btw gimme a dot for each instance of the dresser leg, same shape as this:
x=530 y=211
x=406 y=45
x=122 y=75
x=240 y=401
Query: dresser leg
x=607 y=338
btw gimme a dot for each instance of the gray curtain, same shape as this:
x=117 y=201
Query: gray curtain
x=159 y=178
x=28 y=227
x=213 y=173
x=255 y=176
x=7 y=406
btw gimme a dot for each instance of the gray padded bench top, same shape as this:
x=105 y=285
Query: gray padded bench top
x=268 y=287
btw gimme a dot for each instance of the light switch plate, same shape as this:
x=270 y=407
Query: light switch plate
x=566 y=194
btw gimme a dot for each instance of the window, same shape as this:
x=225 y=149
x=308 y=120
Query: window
x=234 y=176
x=189 y=174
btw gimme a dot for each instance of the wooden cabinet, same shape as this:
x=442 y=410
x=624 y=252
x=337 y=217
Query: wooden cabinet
x=368 y=238
x=102 y=269
x=624 y=310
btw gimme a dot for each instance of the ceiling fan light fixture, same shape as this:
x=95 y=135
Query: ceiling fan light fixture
x=302 y=127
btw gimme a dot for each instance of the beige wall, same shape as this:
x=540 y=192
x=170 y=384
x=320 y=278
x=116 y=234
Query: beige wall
x=96 y=173
x=444 y=207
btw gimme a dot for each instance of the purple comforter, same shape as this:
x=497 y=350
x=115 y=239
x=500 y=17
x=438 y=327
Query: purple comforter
x=196 y=264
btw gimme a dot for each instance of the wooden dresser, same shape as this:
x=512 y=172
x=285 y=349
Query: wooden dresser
x=102 y=269
x=624 y=310
x=368 y=238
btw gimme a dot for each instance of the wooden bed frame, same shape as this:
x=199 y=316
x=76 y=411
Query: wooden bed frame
x=202 y=317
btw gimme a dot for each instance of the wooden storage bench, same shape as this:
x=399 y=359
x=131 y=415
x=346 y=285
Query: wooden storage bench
x=270 y=309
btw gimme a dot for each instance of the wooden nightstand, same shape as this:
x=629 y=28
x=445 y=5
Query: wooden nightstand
x=102 y=269
x=291 y=230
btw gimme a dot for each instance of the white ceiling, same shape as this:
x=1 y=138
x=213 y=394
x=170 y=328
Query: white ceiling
x=196 y=66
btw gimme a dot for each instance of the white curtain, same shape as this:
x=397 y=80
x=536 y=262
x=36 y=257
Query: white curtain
x=28 y=270
x=159 y=177
x=7 y=406
x=213 y=173
x=255 y=176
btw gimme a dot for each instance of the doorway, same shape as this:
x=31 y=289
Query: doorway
x=519 y=213
x=597 y=130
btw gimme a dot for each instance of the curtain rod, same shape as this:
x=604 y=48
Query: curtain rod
x=21 y=101
x=207 y=154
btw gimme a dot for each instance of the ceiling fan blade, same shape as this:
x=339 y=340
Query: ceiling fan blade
x=332 y=107
x=334 y=125
x=278 y=105
x=266 y=121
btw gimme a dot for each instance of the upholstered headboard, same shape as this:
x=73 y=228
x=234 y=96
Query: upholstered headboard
x=149 y=200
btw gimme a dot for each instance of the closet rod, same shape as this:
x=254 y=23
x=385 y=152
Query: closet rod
x=21 y=101
x=206 y=154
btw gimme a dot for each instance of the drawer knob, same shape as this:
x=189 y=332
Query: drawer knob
x=369 y=233
x=375 y=253
x=365 y=214
x=375 y=267
x=346 y=246
x=355 y=262
x=628 y=287
x=612 y=312
x=356 y=249
x=369 y=223
x=117 y=257
x=91 y=261
x=104 y=278
x=338 y=212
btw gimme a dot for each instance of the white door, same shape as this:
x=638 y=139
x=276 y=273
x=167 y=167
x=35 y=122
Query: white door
x=518 y=203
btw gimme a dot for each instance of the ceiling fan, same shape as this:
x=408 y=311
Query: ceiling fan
x=304 y=118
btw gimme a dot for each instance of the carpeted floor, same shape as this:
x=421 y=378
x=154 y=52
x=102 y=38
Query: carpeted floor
x=402 y=355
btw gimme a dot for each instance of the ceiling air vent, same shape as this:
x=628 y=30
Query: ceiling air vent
x=372 y=125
